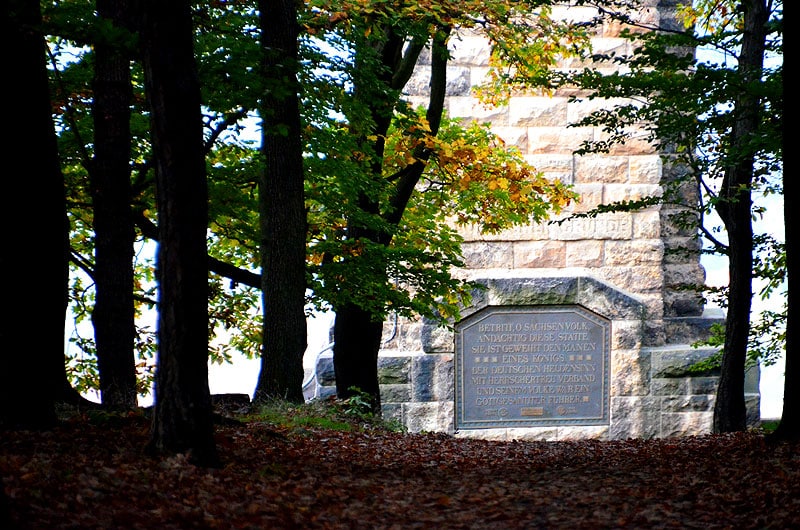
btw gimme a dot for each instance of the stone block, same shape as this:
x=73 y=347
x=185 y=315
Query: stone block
x=436 y=338
x=607 y=226
x=432 y=378
x=469 y=49
x=482 y=255
x=458 y=81
x=553 y=140
x=583 y=108
x=639 y=279
x=691 y=328
x=627 y=335
x=646 y=225
x=703 y=385
x=675 y=361
x=515 y=137
x=539 y=254
x=753 y=409
x=692 y=403
x=602 y=169
x=393 y=370
x=469 y=108
x=527 y=111
x=395 y=393
x=670 y=387
x=583 y=433
x=677 y=424
x=682 y=304
x=630 y=373
x=684 y=274
x=645 y=169
x=613 y=193
x=591 y=196
x=634 y=417
x=326 y=375
x=584 y=253
x=495 y=435
x=532 y=434
x=636 y=252
x=752 y=379
x=429 y=417
x=392 y=412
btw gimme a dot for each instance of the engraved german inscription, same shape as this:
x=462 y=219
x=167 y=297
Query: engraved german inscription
x=532 y=366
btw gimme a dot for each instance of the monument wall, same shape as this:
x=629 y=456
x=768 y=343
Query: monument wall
x=623 y=273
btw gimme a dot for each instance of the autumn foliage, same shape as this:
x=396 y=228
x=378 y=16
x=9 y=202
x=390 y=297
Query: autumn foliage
x=91 y=473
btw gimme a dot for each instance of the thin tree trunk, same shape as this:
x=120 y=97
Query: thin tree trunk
x=113 y=315
x=357 y=335
x=282 y=209
x=182 y=420
x=735 y=211
x=789 y=426
x=355 y=354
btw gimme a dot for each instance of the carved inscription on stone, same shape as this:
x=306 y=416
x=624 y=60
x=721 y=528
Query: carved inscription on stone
x=531 y=367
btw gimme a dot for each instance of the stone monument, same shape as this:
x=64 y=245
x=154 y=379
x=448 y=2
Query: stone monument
x=584 y=328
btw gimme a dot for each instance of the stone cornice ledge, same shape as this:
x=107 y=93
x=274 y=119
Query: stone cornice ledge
x=585 y=291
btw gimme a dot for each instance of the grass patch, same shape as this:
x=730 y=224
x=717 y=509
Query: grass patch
x=769 y=426
x=328 y=413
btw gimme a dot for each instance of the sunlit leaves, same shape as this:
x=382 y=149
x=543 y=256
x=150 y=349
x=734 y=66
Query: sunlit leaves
x=711 y=16
x=480 y=180
x=472 y=177
x=528 y=46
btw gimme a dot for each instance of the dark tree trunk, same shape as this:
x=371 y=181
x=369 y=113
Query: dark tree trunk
x=113 y=315
x=32 y=371
x=789 y=426
x=735 y=210
x=182 y=419
x=357 y=341
x=5 y=514
x=282 y=209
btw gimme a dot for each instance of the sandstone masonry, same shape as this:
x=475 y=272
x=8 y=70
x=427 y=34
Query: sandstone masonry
x=631 y=268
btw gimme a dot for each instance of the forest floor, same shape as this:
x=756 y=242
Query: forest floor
x=91 y=473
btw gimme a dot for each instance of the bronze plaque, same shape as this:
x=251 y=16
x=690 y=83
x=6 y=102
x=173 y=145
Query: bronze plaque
x=531 y=367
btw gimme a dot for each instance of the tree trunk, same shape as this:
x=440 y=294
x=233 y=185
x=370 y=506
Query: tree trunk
x=282 y=209
x=33 y=364
x=735 y=210
x=182 y=420
x=5 y=511
x=357 y=341
x=789 y=426
x=113 y=315
x=357 y=334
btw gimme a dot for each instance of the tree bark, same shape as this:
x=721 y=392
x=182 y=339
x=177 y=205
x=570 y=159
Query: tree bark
x=789 y=426
x=735 y=210
x=282 y=209
x=33 y=364
x=113 y=316
x=182 y=419
x=355 y=354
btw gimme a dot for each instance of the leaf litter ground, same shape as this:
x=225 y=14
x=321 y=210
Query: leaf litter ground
x=89 y=474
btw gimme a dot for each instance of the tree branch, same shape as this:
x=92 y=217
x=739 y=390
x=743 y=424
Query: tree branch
x=233 y=273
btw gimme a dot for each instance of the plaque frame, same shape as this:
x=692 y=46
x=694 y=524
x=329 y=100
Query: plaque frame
x=593 y=412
